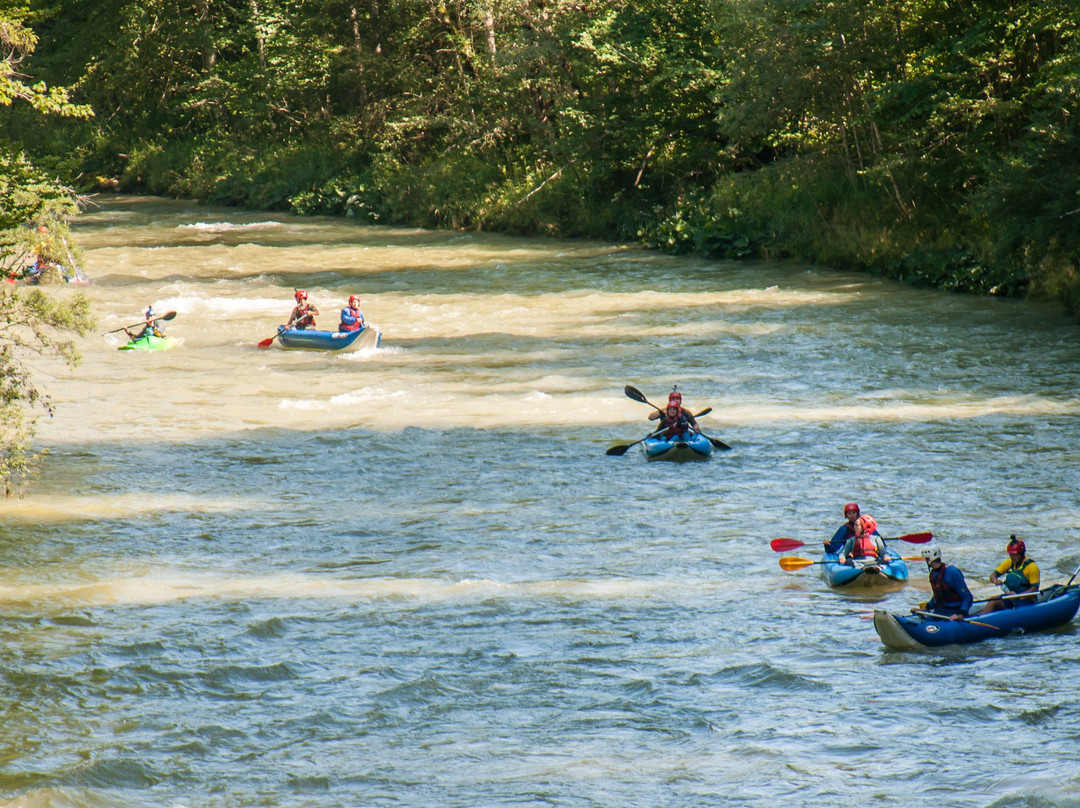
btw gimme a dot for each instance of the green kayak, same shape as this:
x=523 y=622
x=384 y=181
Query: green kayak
x=148 y=342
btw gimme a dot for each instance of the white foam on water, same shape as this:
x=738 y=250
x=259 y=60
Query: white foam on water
x=225 y=227
x=42 y=508
x=156 y=586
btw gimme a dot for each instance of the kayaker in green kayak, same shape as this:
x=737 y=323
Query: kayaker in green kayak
x=152 y=327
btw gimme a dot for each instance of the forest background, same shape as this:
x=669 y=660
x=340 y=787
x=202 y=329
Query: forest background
x=933 y=141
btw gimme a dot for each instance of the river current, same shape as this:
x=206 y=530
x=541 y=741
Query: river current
x=410 y=576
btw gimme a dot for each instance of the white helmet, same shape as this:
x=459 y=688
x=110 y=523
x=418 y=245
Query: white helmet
x=931 y=555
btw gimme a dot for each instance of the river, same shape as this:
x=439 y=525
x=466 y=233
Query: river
x=410 y=576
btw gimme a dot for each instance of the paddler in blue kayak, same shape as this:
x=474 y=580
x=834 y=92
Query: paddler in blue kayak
x=674 y=420
x=845 y=531
x=153 y=326
x=952 y=598
x=1018 y=574
x=352 y=319
x=866 y=543
x=303 y=315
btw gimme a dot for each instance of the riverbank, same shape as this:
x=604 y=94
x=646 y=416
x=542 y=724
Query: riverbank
x=799 y=210
x=921 y=142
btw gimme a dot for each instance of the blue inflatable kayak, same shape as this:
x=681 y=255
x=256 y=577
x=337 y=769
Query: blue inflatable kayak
x=1055 y=607
x=312 y=340
x=864 y=573
x=681 y=448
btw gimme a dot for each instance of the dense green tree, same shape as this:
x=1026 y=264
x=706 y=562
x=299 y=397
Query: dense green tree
x=916 y=138
x=30 y=320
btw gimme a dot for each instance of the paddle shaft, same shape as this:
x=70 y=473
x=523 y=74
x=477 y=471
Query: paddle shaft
x=1016 y=596
x=960 y=620
x=1072 y=577
x=784 y=544
x=170 y=315
x=620 y=449
x=793 y=563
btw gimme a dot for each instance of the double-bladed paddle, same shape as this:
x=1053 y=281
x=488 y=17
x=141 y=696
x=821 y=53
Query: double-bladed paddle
x=794 y=563
x=1014 y=596
x=168 y=316
x=620 y=449
x=783 y=545
x=637 y=395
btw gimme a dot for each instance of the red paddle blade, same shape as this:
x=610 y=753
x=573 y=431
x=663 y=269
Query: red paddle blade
x=783 y=545
x=266 y=343
x=915 y=538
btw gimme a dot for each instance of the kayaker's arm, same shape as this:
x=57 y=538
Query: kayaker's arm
x=955 y=579
x=882 y=548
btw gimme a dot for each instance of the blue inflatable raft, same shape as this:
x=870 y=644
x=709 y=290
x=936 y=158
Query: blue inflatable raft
x=681 y=448
x=865 y=573
x=1055 y=607
x=342 y=341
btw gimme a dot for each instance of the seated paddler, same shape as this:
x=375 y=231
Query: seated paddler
x=865 y=544
x=845 y=531
x=152 y=327
x=1016 y=575
x=674 y=419
x=952 y=598
x=352 y=319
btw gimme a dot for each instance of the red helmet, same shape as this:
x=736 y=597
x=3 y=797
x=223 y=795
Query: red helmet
x=851 y=506
x=300 y=295
x=865 y=524
x=354 y=301
x=1016 y=546
x=674 y=398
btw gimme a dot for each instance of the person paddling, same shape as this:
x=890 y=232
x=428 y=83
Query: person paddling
x=866 y=543
x=352 y=319
x=845 y=531
x=674 y=419
x=1018 y=574
x=303 y=315
x=153 y=326
x=952 y=598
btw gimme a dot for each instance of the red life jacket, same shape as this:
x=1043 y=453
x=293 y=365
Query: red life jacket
x=864 y=546
x=303 y=316
x=944 y=594
x=353 y=326
x=674 y=426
